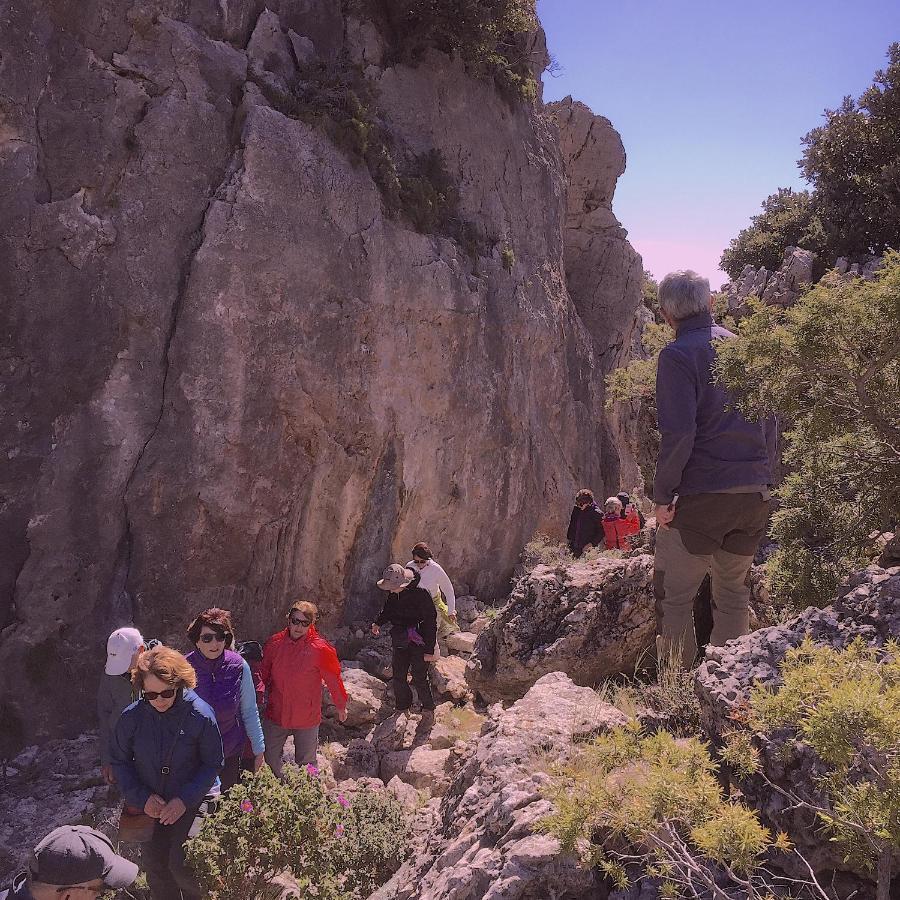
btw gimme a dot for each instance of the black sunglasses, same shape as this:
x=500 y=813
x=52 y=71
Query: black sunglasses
x=209 y=638
x=294 y=621
x=167 y=694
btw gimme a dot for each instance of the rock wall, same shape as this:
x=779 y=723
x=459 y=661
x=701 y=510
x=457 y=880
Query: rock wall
x=231 y=376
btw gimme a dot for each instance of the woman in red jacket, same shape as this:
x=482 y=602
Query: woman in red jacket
x=616 y=529
x=295 y=663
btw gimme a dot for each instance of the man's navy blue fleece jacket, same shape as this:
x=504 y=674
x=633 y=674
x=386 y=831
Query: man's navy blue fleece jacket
x=705 y=446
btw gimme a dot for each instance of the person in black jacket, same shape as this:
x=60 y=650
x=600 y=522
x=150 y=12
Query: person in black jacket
x=585 y=524
x=410 y=610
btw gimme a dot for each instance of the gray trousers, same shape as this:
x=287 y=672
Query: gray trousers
x=714 y=534
x=306 y=742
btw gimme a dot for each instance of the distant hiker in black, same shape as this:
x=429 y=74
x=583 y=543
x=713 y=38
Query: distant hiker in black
x=585 y=524
x=410 y=610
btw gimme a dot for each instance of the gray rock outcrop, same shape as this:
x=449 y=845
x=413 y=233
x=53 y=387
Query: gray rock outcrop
x=485 y=844
x=779 y=288
x=603 y=270
x=868 y=608
x=591 y=620
x=235 y=374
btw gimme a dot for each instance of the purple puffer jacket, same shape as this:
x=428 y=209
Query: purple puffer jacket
x=219 y=684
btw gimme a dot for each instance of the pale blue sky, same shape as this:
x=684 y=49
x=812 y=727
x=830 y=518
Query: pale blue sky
x=711 y=99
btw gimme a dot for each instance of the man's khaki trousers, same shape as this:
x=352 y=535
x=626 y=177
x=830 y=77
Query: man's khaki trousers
x=714 y=534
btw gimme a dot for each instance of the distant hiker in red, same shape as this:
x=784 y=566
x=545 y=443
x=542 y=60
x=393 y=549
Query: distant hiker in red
x=295 y=663
x=585 y=524
x=616 y=529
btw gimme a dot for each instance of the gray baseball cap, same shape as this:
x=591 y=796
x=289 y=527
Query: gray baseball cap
x=74 y=854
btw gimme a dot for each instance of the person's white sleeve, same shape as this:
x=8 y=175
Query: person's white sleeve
x=447 y=590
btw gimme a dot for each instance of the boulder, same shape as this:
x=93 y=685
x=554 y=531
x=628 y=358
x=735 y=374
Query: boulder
x=448 y=678
x=454 y=726
x=358 y=759
x=461 y=641
x=485 y=843
x=590 y=620
x=868 y=607
x=367 y=701
x=421 y=767
x=406 y=794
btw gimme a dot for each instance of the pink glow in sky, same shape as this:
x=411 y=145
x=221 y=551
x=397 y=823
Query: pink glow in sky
x=663 y=256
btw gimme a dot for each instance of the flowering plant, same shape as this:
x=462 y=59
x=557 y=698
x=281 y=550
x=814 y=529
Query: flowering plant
x=263 y=826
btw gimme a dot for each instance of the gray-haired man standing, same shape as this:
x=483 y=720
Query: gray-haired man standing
x=713 y=477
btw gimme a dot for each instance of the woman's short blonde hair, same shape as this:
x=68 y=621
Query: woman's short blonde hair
x=305 y=607
x=613 y=503
x=166 y=664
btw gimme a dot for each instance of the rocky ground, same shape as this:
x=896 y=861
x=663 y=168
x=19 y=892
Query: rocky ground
x=472 y=776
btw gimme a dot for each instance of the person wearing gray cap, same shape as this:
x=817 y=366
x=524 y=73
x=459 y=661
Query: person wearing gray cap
x=73 y=862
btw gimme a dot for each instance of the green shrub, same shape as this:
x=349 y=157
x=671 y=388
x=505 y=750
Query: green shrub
x=845 y=705
x=670 y=696
x=344 y=849
x=653 y=803
x=788 y=219
x=830 y=366
x=491 y=36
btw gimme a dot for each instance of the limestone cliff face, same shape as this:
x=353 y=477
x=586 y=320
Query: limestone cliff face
x=231 y=375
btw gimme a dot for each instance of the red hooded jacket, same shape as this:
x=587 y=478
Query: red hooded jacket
x=616 y=529
x=293 y=672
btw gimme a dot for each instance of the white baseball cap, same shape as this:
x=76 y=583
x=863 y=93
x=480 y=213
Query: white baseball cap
x=120 y=649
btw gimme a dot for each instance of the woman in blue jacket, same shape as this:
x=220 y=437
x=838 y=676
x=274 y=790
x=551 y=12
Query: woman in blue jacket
x=166 y=753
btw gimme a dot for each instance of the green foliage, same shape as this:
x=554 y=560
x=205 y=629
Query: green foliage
x=844 y=704
x=491 y=36
x=338 y=849
x=650 y=293
x=853 y=161
x=507 y=257
x=788 y=219
x=830 y=365
x=669 y=696
x=659 y=797
x=636 y=381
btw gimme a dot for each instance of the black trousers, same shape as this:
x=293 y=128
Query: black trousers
x=230 y=773
x=163 y=858
x=406 y=660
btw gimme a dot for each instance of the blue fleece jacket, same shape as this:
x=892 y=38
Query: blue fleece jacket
x=705 y=446
x=143 y=741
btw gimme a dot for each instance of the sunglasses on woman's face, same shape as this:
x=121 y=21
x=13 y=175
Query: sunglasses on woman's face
x=303 y=622
x=209 y=638
x=167 y=694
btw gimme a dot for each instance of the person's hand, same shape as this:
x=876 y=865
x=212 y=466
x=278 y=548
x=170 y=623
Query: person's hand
x=342 y=715
x=375 y=630
x=664 y=514
x=587 y=547
x=172 y=811
x=108 y=774
x=154 y=806
x=430 y=657
x=259 y=761
x=452 y=617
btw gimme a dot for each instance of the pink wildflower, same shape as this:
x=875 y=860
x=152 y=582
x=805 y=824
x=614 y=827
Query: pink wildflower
x=246 y=806
x=343 y=801
x=339 y=829
x=312 y=770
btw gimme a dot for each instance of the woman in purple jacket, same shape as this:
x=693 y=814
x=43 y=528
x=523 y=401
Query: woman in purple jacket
x=225 y=682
